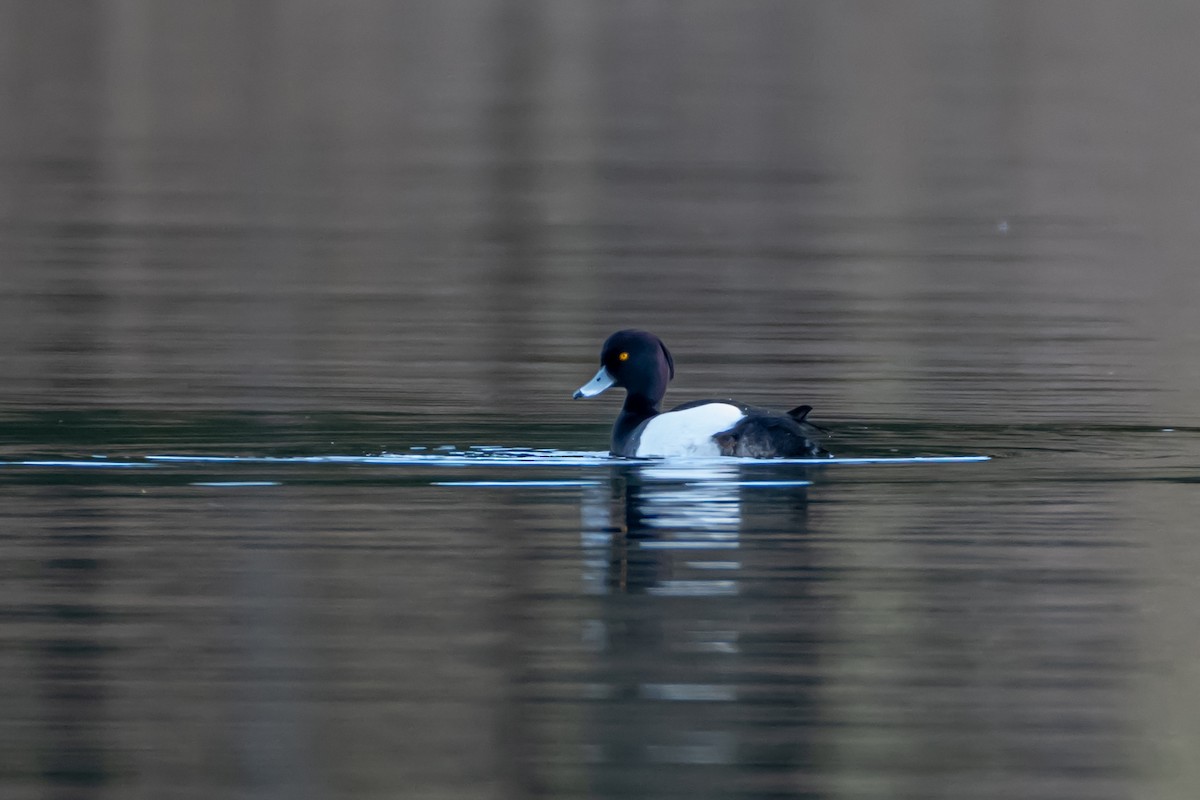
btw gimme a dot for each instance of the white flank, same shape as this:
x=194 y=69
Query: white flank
x=688 y=432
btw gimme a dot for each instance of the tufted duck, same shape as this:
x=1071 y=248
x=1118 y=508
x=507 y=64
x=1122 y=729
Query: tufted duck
x=641 y=364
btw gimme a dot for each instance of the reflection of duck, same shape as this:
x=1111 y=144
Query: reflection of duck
x=640 y=363
x=678 y=629
x=671 y=528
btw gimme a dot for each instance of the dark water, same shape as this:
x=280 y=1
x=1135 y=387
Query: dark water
x=294 y=502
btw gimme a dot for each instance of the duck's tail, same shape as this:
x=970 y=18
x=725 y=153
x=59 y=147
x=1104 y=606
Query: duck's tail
x=800 y=414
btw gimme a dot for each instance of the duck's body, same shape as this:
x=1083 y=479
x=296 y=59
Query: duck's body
x=683 y=431
x=641 y=364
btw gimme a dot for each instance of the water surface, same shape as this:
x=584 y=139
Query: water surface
x=294 y=501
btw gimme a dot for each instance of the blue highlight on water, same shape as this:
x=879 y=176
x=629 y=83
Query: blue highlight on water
x=513 y=456
x=78 y=464
x=691 y=472
x=516 y=483
x=235 y=484
x=749 y=484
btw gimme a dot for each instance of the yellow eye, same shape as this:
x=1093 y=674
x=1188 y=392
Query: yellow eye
x=623 y=357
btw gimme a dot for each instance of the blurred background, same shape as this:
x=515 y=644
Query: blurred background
x=427 y=205
x=363 y=226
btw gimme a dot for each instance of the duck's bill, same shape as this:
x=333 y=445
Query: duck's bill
x=596 y=385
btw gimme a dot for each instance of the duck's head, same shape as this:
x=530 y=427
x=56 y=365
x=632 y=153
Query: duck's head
x=636 y=361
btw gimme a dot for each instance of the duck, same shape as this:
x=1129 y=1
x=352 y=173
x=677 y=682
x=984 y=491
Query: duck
x=640 y=363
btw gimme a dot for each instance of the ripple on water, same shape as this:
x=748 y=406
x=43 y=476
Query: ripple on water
x=710 y=472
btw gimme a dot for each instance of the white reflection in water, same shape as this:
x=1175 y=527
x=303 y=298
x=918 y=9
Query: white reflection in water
x=670 y=582
x=663 y=530
x=631 y=527
x=688 y=692
x=696 y=501
x=700 y=747
x=692 y=588
x=714 y=641
x=690 y=545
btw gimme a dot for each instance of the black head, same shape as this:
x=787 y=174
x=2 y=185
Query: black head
x=635 y=361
